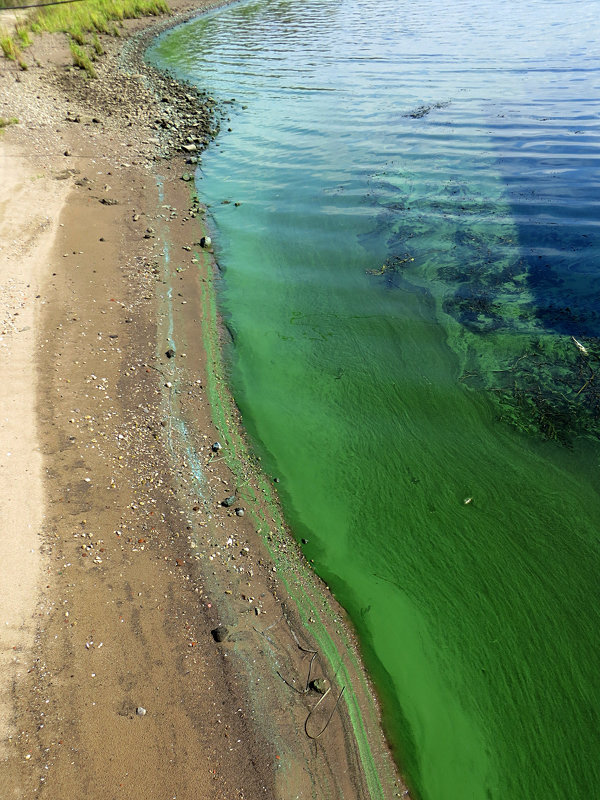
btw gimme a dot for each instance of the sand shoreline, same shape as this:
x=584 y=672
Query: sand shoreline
x=140 y=561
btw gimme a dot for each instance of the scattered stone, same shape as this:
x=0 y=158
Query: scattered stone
x=187 y=177
x=220 y=633
x=240 y=512
x=216 y=447
x=140 y=711
x=170 y=353
x=229 y=501
x=189 y=148
x=304 y=541
x=205 y=241
x=107 y=201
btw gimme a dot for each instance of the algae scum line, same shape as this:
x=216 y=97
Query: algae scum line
x=402 y=201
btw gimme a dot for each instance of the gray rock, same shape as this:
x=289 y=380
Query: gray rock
x=320 y=685
x=140 y=711
x=220 y=633
x=229 y=501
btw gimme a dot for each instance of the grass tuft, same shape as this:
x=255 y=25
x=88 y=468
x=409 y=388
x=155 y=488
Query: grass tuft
x=22 y=32
x=11 y=49
x=97 y=45
x=81 y=58
x=4 y=123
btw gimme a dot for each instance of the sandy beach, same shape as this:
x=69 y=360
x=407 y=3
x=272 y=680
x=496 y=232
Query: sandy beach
x=154 y=642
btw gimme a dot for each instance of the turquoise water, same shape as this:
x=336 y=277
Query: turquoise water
x=405 y=212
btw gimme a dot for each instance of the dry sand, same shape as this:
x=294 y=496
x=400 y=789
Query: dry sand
x=117 y=558
x=27 y=230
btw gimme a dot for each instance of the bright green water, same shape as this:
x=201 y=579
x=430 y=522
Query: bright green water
x=465 y=139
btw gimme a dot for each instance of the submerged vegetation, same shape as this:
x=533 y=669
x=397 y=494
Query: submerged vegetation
x=540 y=369
x=82 y=23
x=525 y=325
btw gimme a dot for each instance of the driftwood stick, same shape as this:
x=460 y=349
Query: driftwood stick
x=324 y=728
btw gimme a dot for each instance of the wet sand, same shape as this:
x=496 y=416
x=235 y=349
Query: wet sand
x=120 y=568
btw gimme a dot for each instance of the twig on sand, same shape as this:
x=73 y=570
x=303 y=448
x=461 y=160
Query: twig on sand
x=324 y=728
x=304 y=649
x=307 y=686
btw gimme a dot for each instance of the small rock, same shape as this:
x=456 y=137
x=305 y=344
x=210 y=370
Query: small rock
x=170 y=353
x=240 y=512
x=187 y=177
x=216 y=447
x=189 y=148
x=140 y=711
x=220 y=633
x=107 y=201
x=205 y=241
x=229 y=501
x=320 y=685
x=67 y=152
x=304 y=541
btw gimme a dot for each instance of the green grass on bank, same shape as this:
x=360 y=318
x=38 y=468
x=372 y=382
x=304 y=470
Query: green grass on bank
x=82 y=22
x=100 y=16
x=4 y=123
